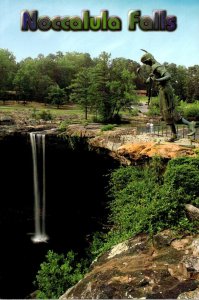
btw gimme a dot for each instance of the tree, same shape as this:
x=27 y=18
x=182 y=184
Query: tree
x=35 y=76
x=26 y=79
x=100 y=91
x=8 y=68
x=122 y=86
x=178 y=79
x=43 y=85
x=80 y=88
x=192 y=83
x=69 y=64
x=180 y=83
x=112 y=86
x=56 y=96
x=106 y=87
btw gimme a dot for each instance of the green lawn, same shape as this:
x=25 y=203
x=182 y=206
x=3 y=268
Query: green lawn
x=31 y=109
x=142 y=99
x=12 y=106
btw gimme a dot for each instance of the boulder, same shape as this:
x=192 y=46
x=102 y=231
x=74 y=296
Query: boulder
x=192 y=211
x=140 y=268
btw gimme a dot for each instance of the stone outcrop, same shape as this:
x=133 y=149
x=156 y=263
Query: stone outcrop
x=122 y=143
x=162 y=268
x=125 y=145
x=136 y=151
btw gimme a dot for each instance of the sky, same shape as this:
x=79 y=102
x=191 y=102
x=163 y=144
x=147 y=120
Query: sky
x=180 y=46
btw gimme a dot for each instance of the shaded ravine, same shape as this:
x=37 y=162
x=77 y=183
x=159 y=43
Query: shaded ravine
x=75 y=205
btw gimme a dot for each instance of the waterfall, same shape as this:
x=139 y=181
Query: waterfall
x=39 y=183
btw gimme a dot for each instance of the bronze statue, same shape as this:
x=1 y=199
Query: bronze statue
x=166 y=96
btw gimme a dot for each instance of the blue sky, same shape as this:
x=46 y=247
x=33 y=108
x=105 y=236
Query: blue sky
x=180 y=47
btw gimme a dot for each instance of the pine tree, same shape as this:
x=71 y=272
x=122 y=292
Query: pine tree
x=99 y=90
x=80 y=90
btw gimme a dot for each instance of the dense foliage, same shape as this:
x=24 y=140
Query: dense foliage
x=150 y=199
x=105 y=88
x=58 y=273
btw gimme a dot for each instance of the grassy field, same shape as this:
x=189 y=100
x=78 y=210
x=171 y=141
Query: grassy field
x=34 y=113
x=11 y=106
x=70 y=112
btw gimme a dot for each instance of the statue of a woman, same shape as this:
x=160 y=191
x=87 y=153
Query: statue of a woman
x=166 y=96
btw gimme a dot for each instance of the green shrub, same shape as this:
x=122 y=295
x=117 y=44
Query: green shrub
x=134 y=112
x=131 y=204
x=97 y=244
x=63 y=125
x=107 y=127
x=57 y=274
x=149 y=199
x=183 y=173
x=189 y=110
x=153 y=112
x=45 y=115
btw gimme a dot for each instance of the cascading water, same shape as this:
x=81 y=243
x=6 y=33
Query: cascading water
x=39 y=181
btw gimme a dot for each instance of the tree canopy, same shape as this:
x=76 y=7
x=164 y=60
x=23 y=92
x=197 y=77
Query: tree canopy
x=101 y=84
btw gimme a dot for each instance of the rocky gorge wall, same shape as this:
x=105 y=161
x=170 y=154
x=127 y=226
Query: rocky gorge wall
x=75 y=204
x=83 y=154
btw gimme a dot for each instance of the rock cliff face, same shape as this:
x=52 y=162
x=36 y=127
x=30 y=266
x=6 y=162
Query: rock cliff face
x=162 y=268
x=122 y=143
x=136 y=151
x=125 y=145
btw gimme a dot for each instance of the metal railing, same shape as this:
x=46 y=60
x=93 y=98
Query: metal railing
x=164 y=130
